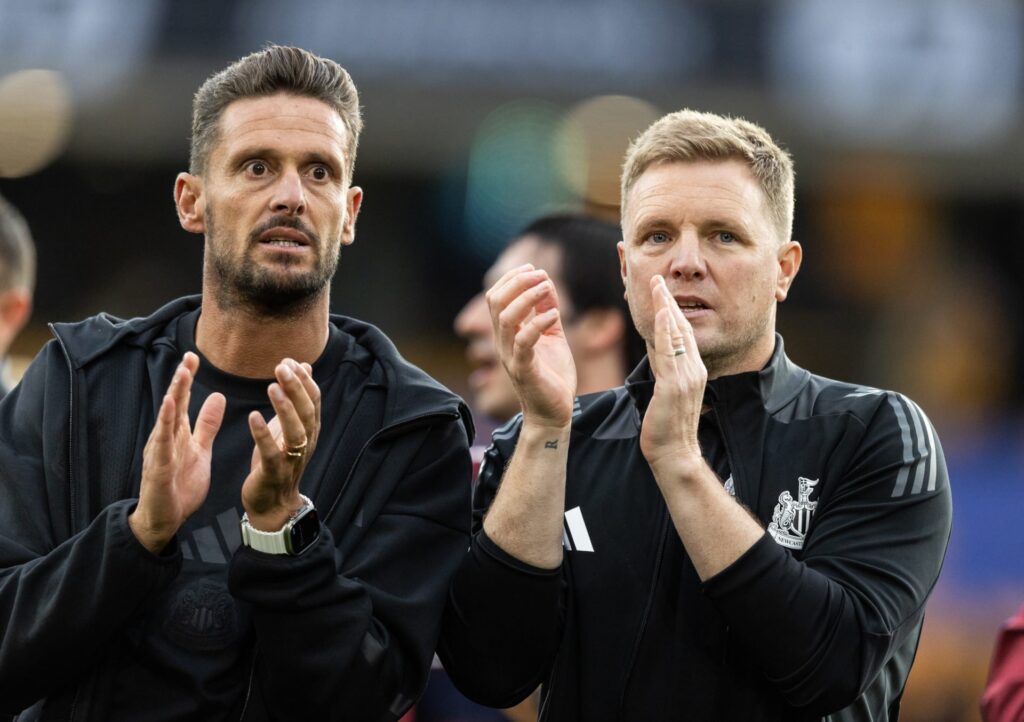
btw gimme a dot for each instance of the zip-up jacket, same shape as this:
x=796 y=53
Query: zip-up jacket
x=820 y=619
x=344 y=631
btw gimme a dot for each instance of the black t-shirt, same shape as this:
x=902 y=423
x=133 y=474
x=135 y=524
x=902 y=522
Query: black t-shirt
x=190 y=650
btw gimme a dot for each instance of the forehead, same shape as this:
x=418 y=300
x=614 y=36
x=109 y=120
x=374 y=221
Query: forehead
x=281 y=121
x=527 y=249
x=725 y=190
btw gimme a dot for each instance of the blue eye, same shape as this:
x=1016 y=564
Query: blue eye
x=658 y=237
x=727 y=237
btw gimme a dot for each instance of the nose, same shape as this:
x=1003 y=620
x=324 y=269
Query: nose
x=687 y=262
x=289 y=194
x=474 y=319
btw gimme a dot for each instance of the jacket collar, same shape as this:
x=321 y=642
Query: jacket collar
x=776 y=384
x=420 y=394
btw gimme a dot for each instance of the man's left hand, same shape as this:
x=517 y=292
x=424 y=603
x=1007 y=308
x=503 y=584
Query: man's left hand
x=668 y=438
x=270 y=494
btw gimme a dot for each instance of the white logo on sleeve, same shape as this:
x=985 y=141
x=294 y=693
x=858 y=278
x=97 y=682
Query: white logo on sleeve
x=792 y=518
x=575 y=536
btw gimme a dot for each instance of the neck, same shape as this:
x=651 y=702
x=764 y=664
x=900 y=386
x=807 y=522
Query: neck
x=752 y=359
x=244 y=343
x=601 y=372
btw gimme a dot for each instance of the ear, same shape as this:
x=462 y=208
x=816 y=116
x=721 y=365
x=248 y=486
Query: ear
x=190 y=202
x=790 y=256
x=353 y=202
x=621 y=247
x=598 y=330
x=15 y=308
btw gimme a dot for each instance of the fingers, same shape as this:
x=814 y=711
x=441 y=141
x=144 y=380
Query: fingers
x=209 y=420
x=513 y=298
x=266 y=444
x=672 y=330
x=531 y=332
x=160 y=447
x=304 y=394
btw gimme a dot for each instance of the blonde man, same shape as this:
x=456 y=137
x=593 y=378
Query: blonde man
x=727 y=536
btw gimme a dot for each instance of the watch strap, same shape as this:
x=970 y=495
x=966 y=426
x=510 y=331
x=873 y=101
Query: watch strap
x=271 y=542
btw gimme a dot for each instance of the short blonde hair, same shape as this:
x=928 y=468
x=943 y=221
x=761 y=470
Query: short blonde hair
x=689 y=135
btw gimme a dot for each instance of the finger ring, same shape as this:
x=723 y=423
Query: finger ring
x=679 y=351
x=297 y=451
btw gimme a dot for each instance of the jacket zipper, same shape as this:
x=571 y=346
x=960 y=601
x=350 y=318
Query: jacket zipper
x=656 y=577
x=72 y=496
x=248 y=689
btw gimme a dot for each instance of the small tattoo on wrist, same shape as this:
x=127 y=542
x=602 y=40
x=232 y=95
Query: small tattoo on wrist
x=551 y=444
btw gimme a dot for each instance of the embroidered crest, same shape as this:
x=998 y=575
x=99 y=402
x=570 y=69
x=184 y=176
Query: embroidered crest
x=792 y=519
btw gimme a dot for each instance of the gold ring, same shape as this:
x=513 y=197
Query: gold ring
x=298 y=451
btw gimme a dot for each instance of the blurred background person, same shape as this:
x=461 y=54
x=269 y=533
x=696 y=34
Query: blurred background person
x=17 y=279
x=578 y=251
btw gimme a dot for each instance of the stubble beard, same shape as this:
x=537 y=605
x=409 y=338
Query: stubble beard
x=721 y=356
x=241 y=283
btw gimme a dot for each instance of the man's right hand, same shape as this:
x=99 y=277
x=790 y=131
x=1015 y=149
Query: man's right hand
x=176 y=461
x=532 y=346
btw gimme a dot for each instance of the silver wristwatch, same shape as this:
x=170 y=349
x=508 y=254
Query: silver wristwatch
x=296 y=536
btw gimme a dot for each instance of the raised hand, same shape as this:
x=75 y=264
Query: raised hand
x=176 y=461
x=668 y=437
x=270 y=494
x=532 y=346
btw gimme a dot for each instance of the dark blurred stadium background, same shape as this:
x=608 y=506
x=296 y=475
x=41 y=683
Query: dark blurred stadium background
x=906 y=119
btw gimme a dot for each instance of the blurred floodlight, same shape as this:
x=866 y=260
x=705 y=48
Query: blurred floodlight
x=916 y=74
x=513 y=174
x=35 y=117
x=592 y=143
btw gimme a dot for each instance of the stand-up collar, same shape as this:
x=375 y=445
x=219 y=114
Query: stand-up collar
x=776 y=384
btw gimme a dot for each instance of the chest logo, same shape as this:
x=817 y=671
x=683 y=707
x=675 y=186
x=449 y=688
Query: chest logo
x=792 y=518
x=575 y=536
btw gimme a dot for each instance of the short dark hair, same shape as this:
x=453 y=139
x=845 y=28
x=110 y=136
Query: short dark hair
x=275 y=69
x=590 y=267
x=17 y=252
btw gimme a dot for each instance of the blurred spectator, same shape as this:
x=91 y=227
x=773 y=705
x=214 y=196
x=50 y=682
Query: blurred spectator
x=1003 y=700
x=17 y=279
x=578 y=251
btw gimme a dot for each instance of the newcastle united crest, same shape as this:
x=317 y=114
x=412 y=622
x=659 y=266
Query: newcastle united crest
x=792 y=519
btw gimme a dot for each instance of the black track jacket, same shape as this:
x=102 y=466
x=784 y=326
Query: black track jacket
x=345 y=631
x=820 y=619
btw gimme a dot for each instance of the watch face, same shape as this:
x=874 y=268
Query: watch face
x=305 y=530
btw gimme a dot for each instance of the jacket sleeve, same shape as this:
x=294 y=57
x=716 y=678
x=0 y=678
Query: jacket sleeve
x=822 y=627
x=1003 y=699
x=62 y=597
x=504 y=618
x=351 y=637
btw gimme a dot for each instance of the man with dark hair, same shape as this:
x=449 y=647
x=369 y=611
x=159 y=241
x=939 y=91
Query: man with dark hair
x=296 y=569
x=577 y=251
x=17 y=279
x=727 y=536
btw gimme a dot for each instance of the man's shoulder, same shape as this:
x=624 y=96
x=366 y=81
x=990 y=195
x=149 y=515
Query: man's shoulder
x=410 y=391
x=85 y=340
